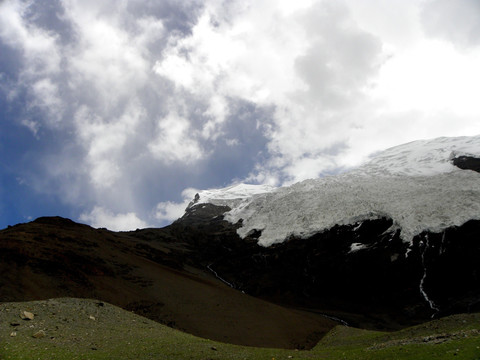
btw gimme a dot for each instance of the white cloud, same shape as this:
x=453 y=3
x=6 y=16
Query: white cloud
x=175 y=141
x=106 y=58
x=170 y=211
x=242 y=55
x=216 y=113
x=47 y=98
x=39 y=46
x=33 y=126
x=339 y=75
x=101 y=217
x=456 y=21
x=232 y=142
x=431 y=76
x=307 y=61
x=105 y=140
x=394 y=22
x=94 y=87
x=333 y=81
x=41 y=60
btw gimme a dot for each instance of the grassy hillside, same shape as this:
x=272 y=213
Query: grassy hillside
x=88 y=329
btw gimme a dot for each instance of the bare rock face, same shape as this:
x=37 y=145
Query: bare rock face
x=362 y=268
x=467 y=163
x=202 y=214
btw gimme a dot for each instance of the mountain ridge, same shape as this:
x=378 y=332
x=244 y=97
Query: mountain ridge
x=420 y=203
x=147 y=272
x=196 y=273
x=409 y=183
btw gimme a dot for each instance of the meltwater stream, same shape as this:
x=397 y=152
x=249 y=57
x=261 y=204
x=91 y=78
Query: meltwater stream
x=422 y=281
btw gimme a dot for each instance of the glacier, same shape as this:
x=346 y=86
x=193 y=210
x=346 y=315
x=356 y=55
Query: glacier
x=414 y=184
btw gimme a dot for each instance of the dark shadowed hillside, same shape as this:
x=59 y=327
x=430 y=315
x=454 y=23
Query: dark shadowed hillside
x=55 y=257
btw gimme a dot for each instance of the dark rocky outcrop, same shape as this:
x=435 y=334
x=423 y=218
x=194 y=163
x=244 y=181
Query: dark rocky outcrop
x=467 y=163
x=452 y=267
x=386 y=279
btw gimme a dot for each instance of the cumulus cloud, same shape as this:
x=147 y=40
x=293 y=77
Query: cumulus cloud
x=175 y=141
x=100 y=217
x=105 y=140
x=88 y=79
x=306 y=60
x=41 y=54
x=131 y=102
x=456 y=21
x=170 y=211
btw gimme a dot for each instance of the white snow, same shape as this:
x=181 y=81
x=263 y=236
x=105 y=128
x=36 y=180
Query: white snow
x=422 y=157
x=414 y=184
x=234 y=195
x=357 y=246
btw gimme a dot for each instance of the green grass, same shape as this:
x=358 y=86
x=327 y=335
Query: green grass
x=71 y=333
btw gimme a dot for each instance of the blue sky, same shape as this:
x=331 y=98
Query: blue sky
x=115 y=113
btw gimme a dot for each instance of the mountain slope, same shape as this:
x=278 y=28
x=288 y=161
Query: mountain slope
x=385 y=246
x=55 y=257
x=396 y=239
x=88 y=329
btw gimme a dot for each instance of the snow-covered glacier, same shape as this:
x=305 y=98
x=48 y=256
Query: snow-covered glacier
x=415 y=184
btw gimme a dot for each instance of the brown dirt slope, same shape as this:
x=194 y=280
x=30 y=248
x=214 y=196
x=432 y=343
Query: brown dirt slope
x=55 y=257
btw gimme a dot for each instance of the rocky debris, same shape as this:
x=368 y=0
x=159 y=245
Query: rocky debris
x=80 y=334
x=26 y=315
x=39 y=334
x=436 y=339
x=429 y=339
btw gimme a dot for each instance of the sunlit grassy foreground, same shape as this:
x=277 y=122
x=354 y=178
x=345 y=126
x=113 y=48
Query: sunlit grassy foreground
x=88 y=329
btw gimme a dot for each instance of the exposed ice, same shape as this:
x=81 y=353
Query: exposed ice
x=234 y=195
x=414 y=184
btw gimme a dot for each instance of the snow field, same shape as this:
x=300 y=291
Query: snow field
x=414 y=184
